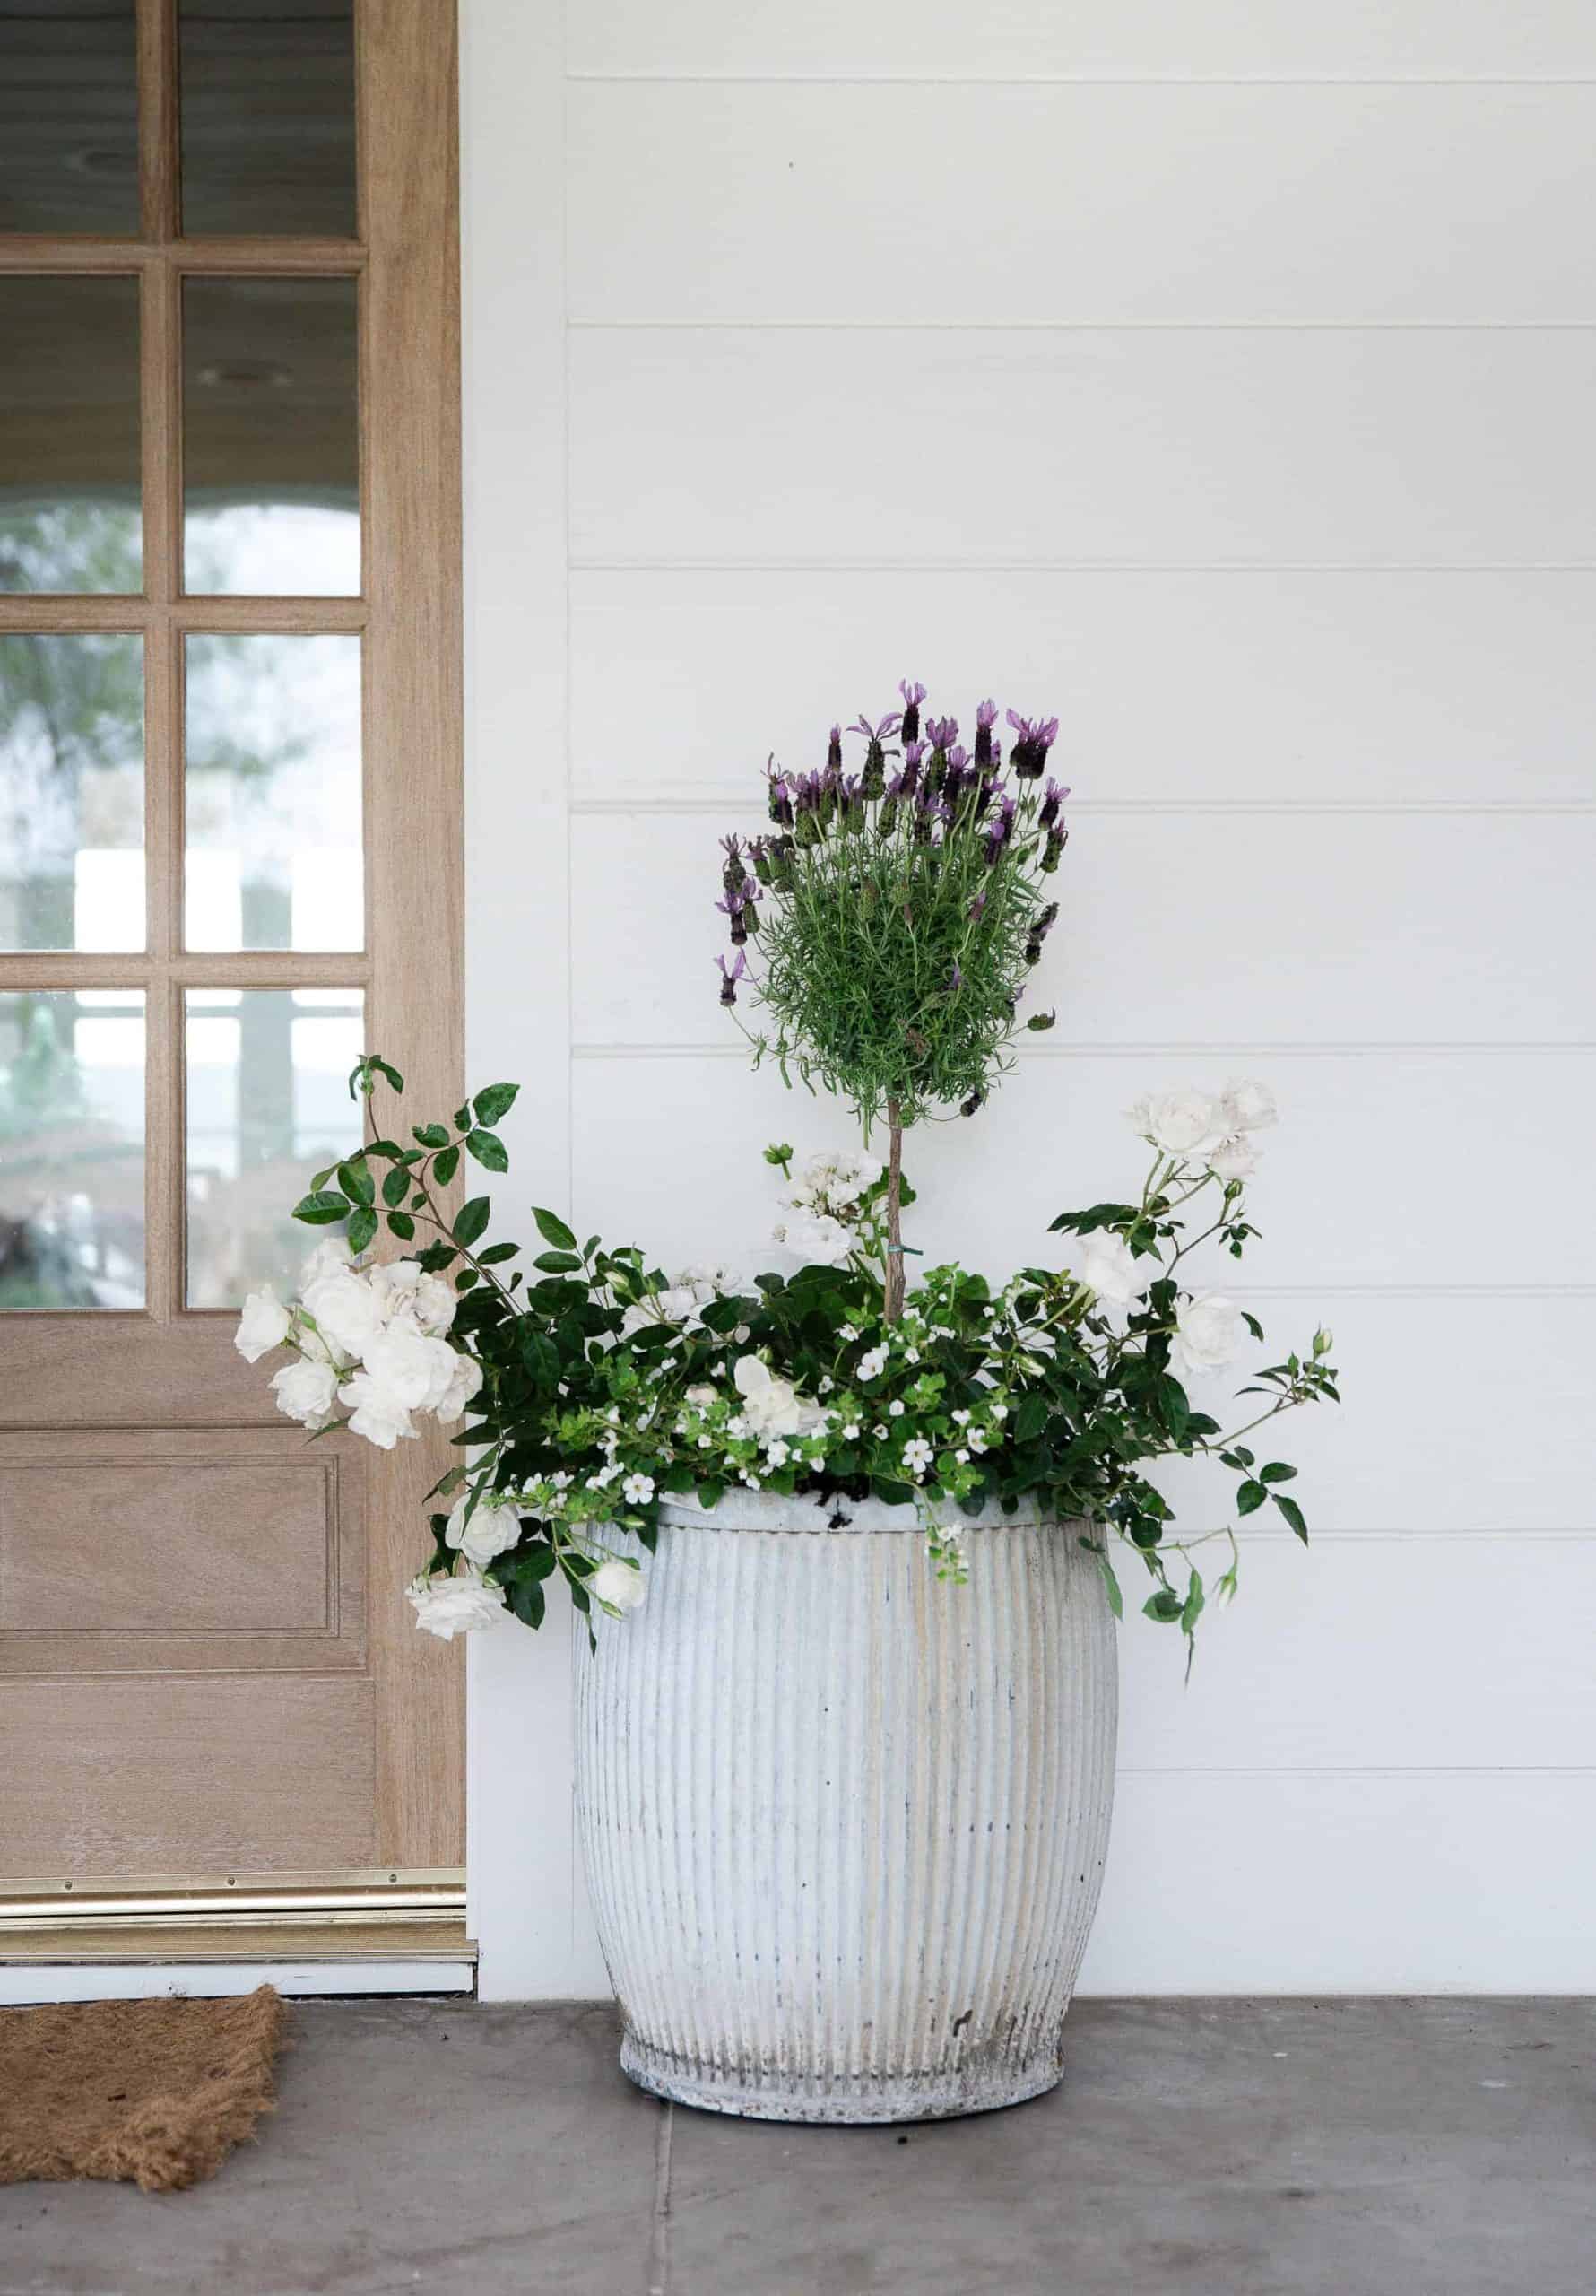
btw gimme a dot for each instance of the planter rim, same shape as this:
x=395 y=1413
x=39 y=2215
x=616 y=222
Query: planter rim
x=772 y=1510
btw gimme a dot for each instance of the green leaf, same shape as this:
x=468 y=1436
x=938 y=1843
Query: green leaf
x=1166 y=1607
x=488 y=1150
x=362 y=1227
x=321 y=1208
x=1277 y=1471
x=1192 y=1608
x=431 y=1135
x=497 y=1252
x=387 y=1070
x=1116 y=1601
x=436 y=1258
x=472 y=1220
x=403 y=1225
x=495 y=1100
x=557 y=1262
x=394 y=1183
x=445 y=1165
x=1293 y=1514
x=1030 y=1419
x=553 y=1229
x=463 y=1116
x=1249 y=1497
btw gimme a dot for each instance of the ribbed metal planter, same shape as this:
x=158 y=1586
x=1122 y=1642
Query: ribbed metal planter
x=844 y=1824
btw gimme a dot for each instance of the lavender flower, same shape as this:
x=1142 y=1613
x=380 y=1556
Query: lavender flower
x=1039 y=1022
x=968 y=1107
x=955 y=979
x=977 y=909
x=734 y=908
x=914 y=694
x=779 y=796
x=1051 y=804
x=1036 y=739
x=1058 y=839
x=909 y=780
x=942 y=733
x=833 y=750
x=733 y=873
x=985 y=717
x=729 y=977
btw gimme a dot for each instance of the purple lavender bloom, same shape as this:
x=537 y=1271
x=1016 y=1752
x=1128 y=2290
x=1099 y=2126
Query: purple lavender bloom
x=883 y=732
x=833 y=750
x=914 y=694
x=977 y=909
x=1053 y=851
x=985 y=713
x=969 y=1106
x=942 y=732
x=729 y=977
x=733 y=907
x=955 y=979
x=1057 y=793
x=909 y=780
x=1036 y=738
x=733 y=873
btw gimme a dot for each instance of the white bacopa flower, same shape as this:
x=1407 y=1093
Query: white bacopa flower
x=1000 y=1411
x=776 y=1453
x=895 y=1409
x=871 y=1366
x=263 y=1326
x=1186 y=1124
x=306 y=1390
x=559 y=1480
x=852 y=1431
x=917 y=1456
x=827 y=1384
x=963 y=1456
x=376 y=1412
x=1113 y=1270
x=977 y=1440
x=701 y=1397
x=847 y=1331
x=1207 y=1333
x=1235 y=1159
x=961 y=1419
x=637 y=1489
x=491 y=1528
x=1248 y=1105
x=458 y=1603
x=345 y=1309
x=881 y=1432
x=618 y=1586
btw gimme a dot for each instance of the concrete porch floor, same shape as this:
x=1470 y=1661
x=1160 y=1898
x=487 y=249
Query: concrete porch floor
x=1210 y=2148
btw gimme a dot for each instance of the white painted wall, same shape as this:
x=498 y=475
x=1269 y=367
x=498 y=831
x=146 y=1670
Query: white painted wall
x=1220 y=377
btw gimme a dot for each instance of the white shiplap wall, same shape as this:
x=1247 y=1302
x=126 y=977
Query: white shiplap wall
x=1222 y=379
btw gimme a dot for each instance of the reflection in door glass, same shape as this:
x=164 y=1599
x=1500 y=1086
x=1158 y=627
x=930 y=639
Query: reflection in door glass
x=72 y=792
x=69 y=153
x=273 y=787
x=268 y=116
x=71 y=1148
x=268 y=1104
x=69 y=435
x=271 y=455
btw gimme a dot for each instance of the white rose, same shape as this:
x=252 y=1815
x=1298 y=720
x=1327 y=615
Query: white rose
x=1207 y=1333
x=1248 y=1107
x=701 y=1396
x=491 y=1528
x=1186 y=1124
x=332 y=1251
x=263 y=1326
x=1235 y=1159
x=619 y=1586
x=456 y=1604
x=1113 y=1270
x=465 y=1382
x=815 y=1237
x=306 y=1391
x=773 y=1407
x=378 y=1414
x=345 y=1309
x=405 y=1290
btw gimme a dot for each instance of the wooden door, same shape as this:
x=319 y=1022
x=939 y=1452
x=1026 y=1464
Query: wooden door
x=229 y=856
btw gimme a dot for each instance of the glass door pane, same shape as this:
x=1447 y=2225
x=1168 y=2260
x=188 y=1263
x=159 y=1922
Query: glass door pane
x=268 y=89
x=72 y=792
x=69 y=157
x=71 y=1148
x=268 y=1104
x=69 y=435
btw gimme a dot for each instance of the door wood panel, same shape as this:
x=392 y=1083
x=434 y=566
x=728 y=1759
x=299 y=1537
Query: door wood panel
x=207 y=1666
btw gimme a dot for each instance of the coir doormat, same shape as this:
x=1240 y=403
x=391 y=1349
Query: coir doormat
x=155 y=2091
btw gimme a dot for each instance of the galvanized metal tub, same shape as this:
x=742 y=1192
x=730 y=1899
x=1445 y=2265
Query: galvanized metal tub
x=844 y=1824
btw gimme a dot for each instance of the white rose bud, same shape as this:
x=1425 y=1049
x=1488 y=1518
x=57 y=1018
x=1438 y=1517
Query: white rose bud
x=619 y=1586
x=263 y=1326
x=1235 y=1159
x=1186 y=1124
x=491 y=1528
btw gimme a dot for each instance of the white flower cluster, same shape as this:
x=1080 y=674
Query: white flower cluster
x=821 y=1207
x=680 y=1300
x=371 y=1338
x=1212 y=1129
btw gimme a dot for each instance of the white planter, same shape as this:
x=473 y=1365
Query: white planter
x=844 y=1824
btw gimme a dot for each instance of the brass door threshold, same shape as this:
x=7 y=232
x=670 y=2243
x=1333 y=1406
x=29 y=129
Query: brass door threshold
x=396 y=1936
